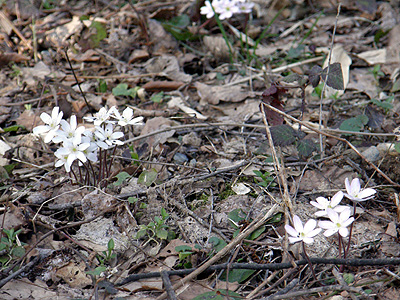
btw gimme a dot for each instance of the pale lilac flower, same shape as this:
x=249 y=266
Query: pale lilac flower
x=126 y=118
x=69 y=131
x=323 y=204
x=299 y=233
x=337 y=223
x=108 y=136
x=207 y=10
x=52 y=124
x=356 y=193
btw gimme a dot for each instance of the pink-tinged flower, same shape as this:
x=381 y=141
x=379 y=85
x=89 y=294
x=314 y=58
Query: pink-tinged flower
x=337 y=223
x=356 y=193
x=323 y=204
x=299 y=233
x=52 y=124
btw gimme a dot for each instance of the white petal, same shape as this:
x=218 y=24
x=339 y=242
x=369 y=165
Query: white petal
x=355 y=186
x=343 y=231
x=308 y=240
x=333 y=215
x=297 y=224
x=321 y=213
x=289 y=229
x=309 y=226
x=336 y=198
x=314 y=232
x=366 y=193
x=330 y=232
x=326 y=224
x=293 y=240
x=347 y=184
x=45 y=118
x=40 y=129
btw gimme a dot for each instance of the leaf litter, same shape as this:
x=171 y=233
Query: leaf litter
x=182 y=175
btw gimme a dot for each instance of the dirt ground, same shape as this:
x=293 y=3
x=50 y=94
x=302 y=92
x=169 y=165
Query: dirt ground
x=241 y=122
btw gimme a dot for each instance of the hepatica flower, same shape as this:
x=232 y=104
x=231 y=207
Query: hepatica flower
x=356 y=193
x=323 y=204
x=337 y=223
x=70 y=152
x=127 y=117
x=108 y=135
x=302 y=233
x=226 y=8
x=52 y=123
x=69 y=131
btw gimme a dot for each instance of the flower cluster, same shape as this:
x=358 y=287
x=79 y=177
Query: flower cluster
x=339 y=215
x=81 y=144
x=226 y=8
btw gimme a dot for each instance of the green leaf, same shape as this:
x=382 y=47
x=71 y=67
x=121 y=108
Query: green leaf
x=121 y=178
x=97 y=271
x=162 y=234
x=183 y=248
x=238 y=275
x=283 y=135
x=147 y=177
x=133 y=200
x=355 y=124
x=102 y=86
x=384 y=104
x=157 y=98
x=397 y=147
x=101 y=33
x=18 y=251
x=177 y=26
x=276 y=218
x=13 y=128
x=396 y=86
x=335 y=79
x=218 y=295
x=141 y=233
x=110 y=244
x=164 y=214
x=348 y=277
x=256 y=233
x=218 y=243
x=236 y=216
x=306 y=147
x=121 y=90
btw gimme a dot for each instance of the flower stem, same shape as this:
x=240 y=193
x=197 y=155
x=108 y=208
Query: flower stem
x=309 y=261
x=351 y=231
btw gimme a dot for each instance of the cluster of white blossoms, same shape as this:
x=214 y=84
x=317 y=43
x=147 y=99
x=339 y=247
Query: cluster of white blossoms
x=226 y=8
x=79 y=143
x=339 y=215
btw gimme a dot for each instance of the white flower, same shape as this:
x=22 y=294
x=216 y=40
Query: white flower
x=91 y=151
x=227 y=8
x=244 y=7
x=126 y=118
x=355 y=193
x=323 y=204
x=69 y=153
x=101 y=116
x=300 y=233
x=337 y=223
x=69 y=131
x=52 y=124
x=108 y=136
x=207 y=10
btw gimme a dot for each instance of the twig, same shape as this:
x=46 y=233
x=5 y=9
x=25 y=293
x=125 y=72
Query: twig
x=168 y=285
x=321 y=144
x=253 y=225
x=23 y=269
x=271 y=266
x=335 y=137
x=326 y=288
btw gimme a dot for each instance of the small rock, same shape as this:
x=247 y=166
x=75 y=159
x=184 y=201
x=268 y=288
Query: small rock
x=372 y=154
x=180 y=158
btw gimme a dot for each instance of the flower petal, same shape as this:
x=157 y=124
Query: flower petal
x=309 y=226
x=343 y=231
x=355 y=186
x=326 y=224
x=366 y=193
x=290 y=230
x=336 y=198
x=297 y=224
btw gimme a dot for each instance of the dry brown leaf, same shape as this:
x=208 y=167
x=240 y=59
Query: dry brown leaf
x=168 y=66
x=156 y=86
x=6 y=58
x=74 y=275
x=215 y=94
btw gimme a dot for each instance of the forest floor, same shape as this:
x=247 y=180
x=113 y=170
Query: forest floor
x=229 y=145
